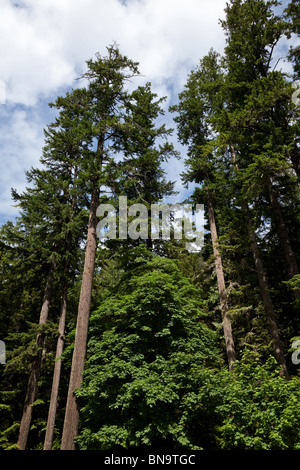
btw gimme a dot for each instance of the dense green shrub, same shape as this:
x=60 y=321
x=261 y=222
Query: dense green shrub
x=146 y=347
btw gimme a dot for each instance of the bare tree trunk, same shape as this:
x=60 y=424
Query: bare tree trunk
x=61 y=330
x=229 y=342
x=264 y=288
x=71 y=421
x=35 y=368
x=267 y=301
x=57 y=371
x=288 y=253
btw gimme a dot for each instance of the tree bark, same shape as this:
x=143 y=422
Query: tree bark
x=229 y=342
x=267 y=301
x=61 y=330
x=71 y=421
x=288 y=253
x=263 y=284
x=35 y=368
x=57 y=372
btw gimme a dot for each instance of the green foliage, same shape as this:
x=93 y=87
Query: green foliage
x=147 y=343
x=260 y=409
x=155 y=372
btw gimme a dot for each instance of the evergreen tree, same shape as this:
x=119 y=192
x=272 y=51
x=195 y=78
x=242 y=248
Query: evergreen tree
x=50 y=224
x=260 y=108
x=106 y=96
x=144 y=148
x=43 y=229
x=292 y=14
x=259 y=123
x=148 y=369
x=65 y=141
x=218 y=101
x=194 y=120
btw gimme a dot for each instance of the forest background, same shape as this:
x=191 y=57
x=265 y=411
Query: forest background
x=140 y=342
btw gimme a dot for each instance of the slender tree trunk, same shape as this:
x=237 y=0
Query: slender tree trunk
x=264 y=288
x=61 y=330
x=229 y=342
x=288 y=253
x=35 y=368
x=267 y=301
x=57 y=371
x=71 y=421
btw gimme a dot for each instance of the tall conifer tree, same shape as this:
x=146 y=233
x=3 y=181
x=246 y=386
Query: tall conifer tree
x=106 y=97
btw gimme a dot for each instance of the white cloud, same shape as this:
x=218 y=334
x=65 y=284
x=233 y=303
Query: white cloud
x=21 y=141
x=44 y=42
x=44 y=45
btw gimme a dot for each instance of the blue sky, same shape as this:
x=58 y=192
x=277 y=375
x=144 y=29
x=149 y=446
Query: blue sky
x=44 y=45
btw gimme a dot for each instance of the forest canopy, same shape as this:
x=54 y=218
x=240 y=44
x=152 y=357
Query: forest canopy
x=124 y=342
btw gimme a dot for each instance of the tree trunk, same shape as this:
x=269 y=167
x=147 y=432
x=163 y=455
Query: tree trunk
x=57 y=371
x=263 y=284
x=288 y=253
x=61 y=330
x=71 y=421
x=35 y=368
x=229 y=342
x=267 y=301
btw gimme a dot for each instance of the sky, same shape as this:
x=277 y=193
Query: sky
x=44 y=46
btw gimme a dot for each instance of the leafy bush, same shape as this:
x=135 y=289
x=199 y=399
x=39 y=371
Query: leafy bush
x=154 y=375
x=147 y=345
x=260 y=409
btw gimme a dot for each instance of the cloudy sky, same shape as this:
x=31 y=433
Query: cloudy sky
x=44 y=45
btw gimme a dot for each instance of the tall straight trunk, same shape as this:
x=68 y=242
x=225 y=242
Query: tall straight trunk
x=57 y=371
x=288 y=253
x=35 y=368
x=263 y=284
x=71 y=421
x=267 y=301
x=229 y=342
x=61 y=332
